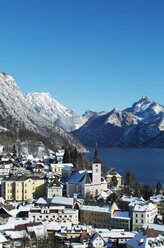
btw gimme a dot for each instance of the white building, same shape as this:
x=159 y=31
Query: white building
x=87 y=181
x=54 y=213
x=97 y=241
x=115 y=235
x=142 y=213
x=148 y=238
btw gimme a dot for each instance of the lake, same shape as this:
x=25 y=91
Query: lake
x=146 y=163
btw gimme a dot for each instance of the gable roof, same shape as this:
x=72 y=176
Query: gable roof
x=77 y=177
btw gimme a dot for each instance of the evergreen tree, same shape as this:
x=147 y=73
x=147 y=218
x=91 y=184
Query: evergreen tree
x=113 y=182
x=14 y=151
x=66 y=157
x=158 y=188
x=147 y=191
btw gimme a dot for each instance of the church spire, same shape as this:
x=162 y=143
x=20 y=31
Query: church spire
x=96 y=157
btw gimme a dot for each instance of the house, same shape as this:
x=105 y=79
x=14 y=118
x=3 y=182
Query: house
x=97 y=241
x=158 y=200
x=5 y=169
x=143 y=213
x=22 y=188
x=37 y=167
x=158 y=228
x=54 y=213
x=87 y=182
x=119 y=236
x=121 y=219
x=75 y=231
x=128 y=202
x=54 y=188
x=148 y=238
x=97 y=216
x=5 y=214
x=57 y=168
x=68 y=202
x=112 y=173
x=59 y=155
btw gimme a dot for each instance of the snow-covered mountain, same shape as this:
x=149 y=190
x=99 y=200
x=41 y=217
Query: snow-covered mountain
x=135 y=126
x=51 y=109
x=21 y=121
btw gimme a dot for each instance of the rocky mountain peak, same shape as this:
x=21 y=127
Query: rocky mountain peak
x=17 y=116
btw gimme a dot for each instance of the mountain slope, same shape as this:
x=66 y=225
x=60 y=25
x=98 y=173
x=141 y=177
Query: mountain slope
x=16 y=115
x=49 y=108
x=135 y=126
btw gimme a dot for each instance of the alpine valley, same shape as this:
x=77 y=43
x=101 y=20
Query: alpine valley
x=37 y=122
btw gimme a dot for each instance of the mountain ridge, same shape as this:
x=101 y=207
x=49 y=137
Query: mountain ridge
x=133 y=127
x=17 y=115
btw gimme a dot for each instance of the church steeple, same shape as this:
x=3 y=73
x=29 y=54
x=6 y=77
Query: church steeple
x=96 y=157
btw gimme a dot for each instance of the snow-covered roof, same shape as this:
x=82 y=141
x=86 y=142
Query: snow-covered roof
x=112 y=172
x=129 y=199
x=16 y=221
x=2 y=199
x=121 y=215
x=2 y=238
x=39 y=230
x=157 y=198
x=67 y=168
x=61 y=165
x=41 y=200
x=96 y=208
x=146 y=239
x=54 y=225
x=16 y=234
x=118 y=234
x=62 y=200
x=95 y=235
x=144 y=207
x=77 y=177
x=156 y=227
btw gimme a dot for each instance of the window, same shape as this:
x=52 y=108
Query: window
x=97 y=170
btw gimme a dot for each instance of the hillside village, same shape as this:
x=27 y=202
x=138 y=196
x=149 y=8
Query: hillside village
x=49 y=203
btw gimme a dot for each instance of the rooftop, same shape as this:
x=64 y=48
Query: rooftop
x=96 y=209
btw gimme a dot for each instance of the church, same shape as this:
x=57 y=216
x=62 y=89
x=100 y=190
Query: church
x=87 y=182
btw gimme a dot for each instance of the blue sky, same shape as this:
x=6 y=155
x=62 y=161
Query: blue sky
x=88 y=54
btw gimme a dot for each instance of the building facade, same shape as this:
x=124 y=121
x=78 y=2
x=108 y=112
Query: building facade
x=22 y=188
x=87 y=182
x=143 y=213
x=54 y=213
x=97 y=216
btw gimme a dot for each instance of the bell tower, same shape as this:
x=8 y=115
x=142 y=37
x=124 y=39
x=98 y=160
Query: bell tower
x=96 y=168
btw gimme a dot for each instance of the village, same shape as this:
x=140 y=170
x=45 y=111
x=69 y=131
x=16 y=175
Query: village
x=48 y=203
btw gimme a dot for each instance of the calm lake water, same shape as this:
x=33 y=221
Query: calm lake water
x=146 y=163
